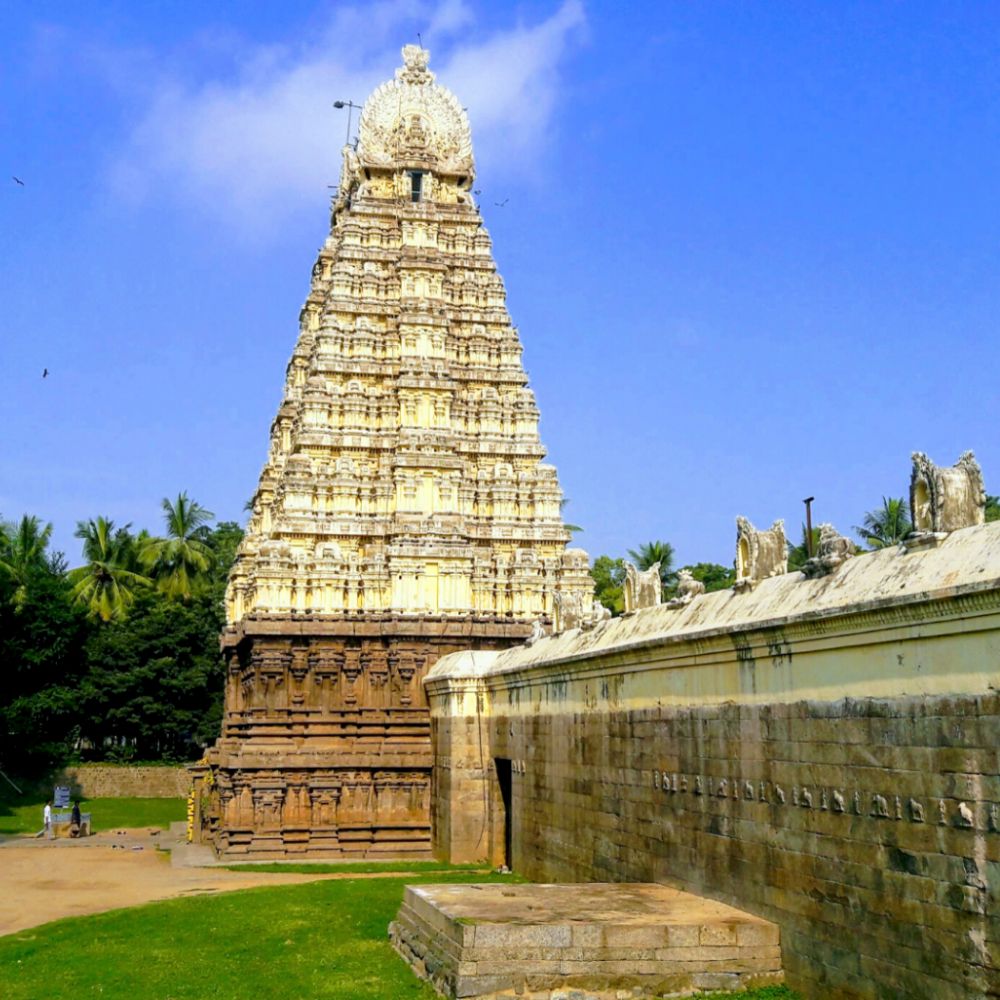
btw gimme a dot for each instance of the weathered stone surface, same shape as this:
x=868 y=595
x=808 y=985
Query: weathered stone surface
x=642 y=589
x=821 y=753
x=759 y=554
x=404 y=510
x=833 y=550
x=946 y=498
x=493 y=941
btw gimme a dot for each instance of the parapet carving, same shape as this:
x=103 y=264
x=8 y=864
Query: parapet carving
x=412 y=118
x=537 y=632
x=759 y=554
x=946 y=498
x=688 y=588
x=833 y=550
x=571 y=611
x=598 y=614
x=642 y=589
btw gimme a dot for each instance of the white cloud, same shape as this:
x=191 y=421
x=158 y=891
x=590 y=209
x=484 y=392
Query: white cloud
x=263 y=142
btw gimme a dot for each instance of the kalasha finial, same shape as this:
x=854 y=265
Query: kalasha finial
x=415 y=60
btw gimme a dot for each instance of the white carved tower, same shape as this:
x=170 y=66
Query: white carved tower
x=404 y=511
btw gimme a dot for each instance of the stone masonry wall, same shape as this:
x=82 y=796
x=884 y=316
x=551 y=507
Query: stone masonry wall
x=114 y=781
x=867 y=829
x=822 y=753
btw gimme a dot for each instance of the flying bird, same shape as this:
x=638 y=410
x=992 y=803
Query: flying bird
x=17 y=180
x=500 y=204
x=45 y=373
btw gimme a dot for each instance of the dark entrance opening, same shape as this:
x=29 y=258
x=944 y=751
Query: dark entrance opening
x=506 y=800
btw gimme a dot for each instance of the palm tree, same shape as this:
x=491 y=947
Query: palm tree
x=651 y=553
x=22 y=553
x=106 y=584
x=888 y=525
x=180 y=561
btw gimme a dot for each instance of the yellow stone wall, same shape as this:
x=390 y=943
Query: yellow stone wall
x=405 y=468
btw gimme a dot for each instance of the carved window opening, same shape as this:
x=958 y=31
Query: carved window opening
x=743 y=558
x=416 y=185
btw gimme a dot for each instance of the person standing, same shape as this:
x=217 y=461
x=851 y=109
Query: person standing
x=46 y=830
x=76 y=820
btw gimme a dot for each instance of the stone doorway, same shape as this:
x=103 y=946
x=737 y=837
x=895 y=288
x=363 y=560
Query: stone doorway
x=505 y=784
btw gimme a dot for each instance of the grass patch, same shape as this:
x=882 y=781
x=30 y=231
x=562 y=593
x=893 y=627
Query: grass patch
x=322 y=940
x=359 y=867
x=24 y=815
x=764 y=993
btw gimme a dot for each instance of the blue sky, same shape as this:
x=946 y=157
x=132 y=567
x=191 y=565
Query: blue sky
x=752 y=249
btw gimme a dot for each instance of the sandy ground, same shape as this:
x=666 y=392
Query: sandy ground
x=45 y=880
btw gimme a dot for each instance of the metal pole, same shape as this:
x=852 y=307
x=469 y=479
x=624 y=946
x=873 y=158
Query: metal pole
x=351 y=107
x=809 y=525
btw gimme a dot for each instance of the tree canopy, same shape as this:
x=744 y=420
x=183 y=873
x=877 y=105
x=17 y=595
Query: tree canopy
x=102 y=661
x=886 y=525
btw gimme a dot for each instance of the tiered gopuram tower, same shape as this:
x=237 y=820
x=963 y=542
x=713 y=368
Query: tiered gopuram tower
x=404 y=511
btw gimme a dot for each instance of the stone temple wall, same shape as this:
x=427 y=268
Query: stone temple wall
x=824 y=753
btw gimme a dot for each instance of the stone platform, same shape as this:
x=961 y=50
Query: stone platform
x=587 y=942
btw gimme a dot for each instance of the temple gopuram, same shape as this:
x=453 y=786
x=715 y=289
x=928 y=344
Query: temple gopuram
x=404 y=511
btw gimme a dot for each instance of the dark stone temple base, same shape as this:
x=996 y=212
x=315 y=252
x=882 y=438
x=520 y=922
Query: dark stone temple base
x=325 y=749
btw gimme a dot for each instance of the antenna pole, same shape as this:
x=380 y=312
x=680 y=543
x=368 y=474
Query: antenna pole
x=809 y=525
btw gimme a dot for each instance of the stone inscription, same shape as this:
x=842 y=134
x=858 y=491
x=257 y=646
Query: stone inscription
x=857 y=802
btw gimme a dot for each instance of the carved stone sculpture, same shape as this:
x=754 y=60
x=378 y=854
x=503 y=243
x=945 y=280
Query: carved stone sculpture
x=569 y=611
x=946 y=498
x=833 y=550
x=688 y=588
x=404 y=510
x=642 y=589
x=537 y=632
x=599 y=613
x=759 y=554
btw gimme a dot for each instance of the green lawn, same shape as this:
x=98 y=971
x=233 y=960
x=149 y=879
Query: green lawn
x=360 y=867
x=24 y=815
x=322 y=941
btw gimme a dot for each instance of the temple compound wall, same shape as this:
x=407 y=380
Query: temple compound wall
x=823 y=752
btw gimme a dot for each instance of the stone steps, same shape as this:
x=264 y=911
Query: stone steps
x=601 y=942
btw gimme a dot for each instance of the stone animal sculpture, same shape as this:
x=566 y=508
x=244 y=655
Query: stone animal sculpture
x=642 y=589
x=834 y=549
x=537 y=632
x=688 y=588
x=759 y=554
x=946 y=498
x=598 y=613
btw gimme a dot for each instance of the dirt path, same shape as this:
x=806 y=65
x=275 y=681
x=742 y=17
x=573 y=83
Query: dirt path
x=45 y=880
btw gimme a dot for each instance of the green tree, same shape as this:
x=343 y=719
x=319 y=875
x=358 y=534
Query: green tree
x=180 y=562
x=153 y=684
x=106 y=585
x=609 y=575
x=223 y=540
x=714 y=576
x=992 y=507
x=888 y=525
x=23 y=553
x=41 y=651
x=650 y=554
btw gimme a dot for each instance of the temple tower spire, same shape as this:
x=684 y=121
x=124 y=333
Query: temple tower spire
x=404 y=510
